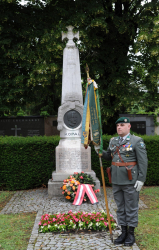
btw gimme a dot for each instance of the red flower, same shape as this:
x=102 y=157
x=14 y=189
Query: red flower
x=81 y=177
x=82 y=172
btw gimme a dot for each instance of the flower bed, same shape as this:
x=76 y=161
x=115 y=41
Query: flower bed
x=94 y=221
x=70 y=185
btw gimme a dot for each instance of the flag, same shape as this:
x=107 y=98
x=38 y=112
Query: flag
x=91 y=121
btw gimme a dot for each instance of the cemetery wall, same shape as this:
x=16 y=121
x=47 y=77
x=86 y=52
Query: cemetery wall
x=141 y=124
x=28 y=126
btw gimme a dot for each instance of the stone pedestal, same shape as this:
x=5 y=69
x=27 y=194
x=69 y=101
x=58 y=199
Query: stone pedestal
x=71 y=157
x=55 y=191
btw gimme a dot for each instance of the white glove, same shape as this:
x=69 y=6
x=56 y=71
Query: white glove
x=138 y=185
x=97 y=148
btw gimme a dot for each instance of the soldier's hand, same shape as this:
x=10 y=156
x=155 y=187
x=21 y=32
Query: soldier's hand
x=97 y=148
x=138 y=185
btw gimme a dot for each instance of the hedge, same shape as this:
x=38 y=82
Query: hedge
x=28 y=162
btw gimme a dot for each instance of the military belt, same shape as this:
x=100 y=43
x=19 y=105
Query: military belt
x=123 y=164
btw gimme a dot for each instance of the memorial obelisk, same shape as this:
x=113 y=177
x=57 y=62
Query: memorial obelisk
x=71 y=156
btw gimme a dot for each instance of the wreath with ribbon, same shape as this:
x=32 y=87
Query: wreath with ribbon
x=70 y=185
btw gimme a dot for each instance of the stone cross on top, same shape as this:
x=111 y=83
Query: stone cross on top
x=70 y=35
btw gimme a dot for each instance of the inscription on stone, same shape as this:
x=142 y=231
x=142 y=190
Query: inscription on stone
x=73 y=159
x=33 y=132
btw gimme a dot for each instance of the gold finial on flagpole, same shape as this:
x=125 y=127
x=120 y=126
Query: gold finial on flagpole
x=87 y=70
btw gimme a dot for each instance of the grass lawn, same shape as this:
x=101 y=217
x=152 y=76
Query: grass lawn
x=5 y=196
x=15 y=229
x=147 y=232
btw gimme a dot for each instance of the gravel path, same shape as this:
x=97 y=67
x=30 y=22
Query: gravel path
x=37 y=200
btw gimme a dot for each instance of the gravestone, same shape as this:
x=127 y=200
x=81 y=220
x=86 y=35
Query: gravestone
x=71 y=156
x=22 y=126
x=28 y=126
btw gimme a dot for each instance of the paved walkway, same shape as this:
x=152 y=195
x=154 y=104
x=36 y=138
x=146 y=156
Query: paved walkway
x=38 y=201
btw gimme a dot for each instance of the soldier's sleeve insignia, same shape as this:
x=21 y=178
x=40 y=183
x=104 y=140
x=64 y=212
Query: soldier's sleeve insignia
x=142 y=144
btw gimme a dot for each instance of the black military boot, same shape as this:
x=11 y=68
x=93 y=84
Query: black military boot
x=130 y=239
x=122 y=237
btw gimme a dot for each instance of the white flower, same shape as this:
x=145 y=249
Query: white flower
x=49 y=226
x=74 y=226
x=90 y=225
x=97 y=224
x=102 y=211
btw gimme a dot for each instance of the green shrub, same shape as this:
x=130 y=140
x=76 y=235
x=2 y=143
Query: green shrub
x=28 y=162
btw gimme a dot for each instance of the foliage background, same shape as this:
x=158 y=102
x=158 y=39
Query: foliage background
x=111 y=32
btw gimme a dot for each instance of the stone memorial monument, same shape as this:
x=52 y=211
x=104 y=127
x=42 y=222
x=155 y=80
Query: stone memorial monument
x=71 y=156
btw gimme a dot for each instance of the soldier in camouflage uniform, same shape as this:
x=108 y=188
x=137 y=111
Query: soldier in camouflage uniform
x=128 y=174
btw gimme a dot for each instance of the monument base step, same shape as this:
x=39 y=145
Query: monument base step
x=54 y=188
x=62 y=176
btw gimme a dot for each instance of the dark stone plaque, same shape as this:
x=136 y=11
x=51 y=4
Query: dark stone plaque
x=33 y=132
x=139 y=127
x=22 y=126
x=72 y=119
x=2 y=132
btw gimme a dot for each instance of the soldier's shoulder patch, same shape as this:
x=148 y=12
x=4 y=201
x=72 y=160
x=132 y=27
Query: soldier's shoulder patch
x=111 y=138
x=142 y=144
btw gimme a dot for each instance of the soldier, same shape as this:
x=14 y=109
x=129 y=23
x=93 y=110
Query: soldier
x=128 y=174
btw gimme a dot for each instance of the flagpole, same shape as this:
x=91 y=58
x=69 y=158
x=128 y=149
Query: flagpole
x=106 y=200
x=103 y=180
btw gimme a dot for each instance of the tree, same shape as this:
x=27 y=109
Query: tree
x=110 y=33
x=147 y=66
x=30 y=58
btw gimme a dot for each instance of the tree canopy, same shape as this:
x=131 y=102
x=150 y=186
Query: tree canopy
x=111 y=33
